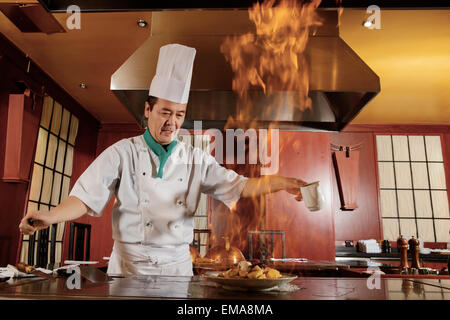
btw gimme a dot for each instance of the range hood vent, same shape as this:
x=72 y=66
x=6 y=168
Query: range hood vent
x=341 y=84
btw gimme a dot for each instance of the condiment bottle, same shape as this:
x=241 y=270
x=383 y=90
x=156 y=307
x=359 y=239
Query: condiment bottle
x=415 y=252
x=402 y=246
x=386 y=246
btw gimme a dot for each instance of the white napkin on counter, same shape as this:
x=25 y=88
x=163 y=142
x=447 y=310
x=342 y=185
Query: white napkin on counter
x=13 y=272
x=369 y=246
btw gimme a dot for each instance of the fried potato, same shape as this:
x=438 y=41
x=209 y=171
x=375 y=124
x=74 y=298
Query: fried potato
x=243 y=274
x=256 y=268
x=244 y=270
x=272 y=273
x=255 y=274
x=231 y=273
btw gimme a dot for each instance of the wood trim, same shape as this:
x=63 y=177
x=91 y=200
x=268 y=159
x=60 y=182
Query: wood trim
x=24 y=115
x=120 y=127
x=377 y=179
x=445 y=143
x=13 y=148
x=398 y=128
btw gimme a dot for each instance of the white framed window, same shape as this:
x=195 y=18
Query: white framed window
x=50 y=183
x=413 y=191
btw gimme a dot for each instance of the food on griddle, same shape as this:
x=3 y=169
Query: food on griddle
x=245 y=270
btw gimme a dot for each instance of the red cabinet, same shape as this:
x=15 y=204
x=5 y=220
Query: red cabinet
x=21 y=132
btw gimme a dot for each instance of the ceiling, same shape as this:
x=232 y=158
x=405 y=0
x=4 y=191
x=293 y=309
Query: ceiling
x=410 y=54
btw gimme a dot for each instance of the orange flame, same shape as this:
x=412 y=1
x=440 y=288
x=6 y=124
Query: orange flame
x=271 y=59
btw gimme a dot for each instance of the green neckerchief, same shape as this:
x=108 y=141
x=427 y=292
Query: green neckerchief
x=162 y=154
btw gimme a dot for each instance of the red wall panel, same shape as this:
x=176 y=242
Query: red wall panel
x=363 y=222
x=304 y=155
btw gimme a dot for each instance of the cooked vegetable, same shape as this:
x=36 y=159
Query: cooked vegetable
x=245 y=270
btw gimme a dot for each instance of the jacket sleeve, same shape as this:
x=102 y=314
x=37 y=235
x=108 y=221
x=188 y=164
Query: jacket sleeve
x=96 y=185
x=221 y=183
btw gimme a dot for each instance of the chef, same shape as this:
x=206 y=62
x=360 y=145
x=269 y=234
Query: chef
x=157 y=181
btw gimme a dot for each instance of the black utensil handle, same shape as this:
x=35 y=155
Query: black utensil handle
x=31 y=222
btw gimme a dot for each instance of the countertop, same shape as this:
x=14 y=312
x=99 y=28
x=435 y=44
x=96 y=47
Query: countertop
x=394 y=255
x=197 y=287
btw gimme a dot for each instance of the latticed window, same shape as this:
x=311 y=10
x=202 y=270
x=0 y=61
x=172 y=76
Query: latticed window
x=413 y=192
x=50 y=182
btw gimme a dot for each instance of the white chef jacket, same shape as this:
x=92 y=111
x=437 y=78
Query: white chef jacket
x=152 y=213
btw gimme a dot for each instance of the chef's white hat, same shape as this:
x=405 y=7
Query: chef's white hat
x=172 y=80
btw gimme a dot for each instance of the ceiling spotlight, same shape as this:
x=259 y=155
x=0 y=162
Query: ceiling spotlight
x=142 y=23
x=367 y=23
x=83 y=85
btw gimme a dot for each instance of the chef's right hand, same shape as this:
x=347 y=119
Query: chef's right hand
x=41 y=220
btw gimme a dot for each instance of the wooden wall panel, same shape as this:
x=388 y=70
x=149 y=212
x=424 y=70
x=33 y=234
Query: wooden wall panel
x=363 y=222
x=304 y=155
x=445 y=139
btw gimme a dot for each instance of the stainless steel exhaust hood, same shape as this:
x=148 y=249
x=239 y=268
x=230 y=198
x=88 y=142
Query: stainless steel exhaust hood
x=341 y=84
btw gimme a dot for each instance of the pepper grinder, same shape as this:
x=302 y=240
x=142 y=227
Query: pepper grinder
x=402 y=246
x=415 y=252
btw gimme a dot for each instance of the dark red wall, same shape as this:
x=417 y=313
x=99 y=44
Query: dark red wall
x=304 y=155
x=12 y=195
x=363 y=222
x=446 y=152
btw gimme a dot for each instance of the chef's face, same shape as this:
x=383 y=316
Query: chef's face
x=165 y=119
